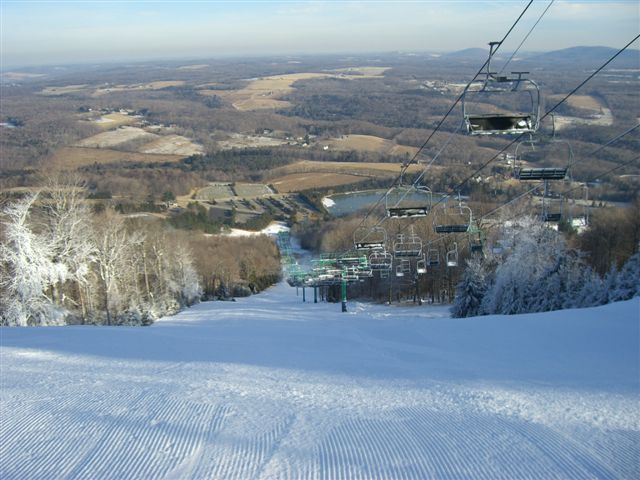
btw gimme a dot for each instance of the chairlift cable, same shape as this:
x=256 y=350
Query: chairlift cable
x=602 y=174
x=526 y=37
x=446 y=115
x=549 y=112
x=587 y=181
x=600 y=148
x=513 y=200
x=614 y=139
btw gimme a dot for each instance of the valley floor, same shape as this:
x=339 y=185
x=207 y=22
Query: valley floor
x=269 y=387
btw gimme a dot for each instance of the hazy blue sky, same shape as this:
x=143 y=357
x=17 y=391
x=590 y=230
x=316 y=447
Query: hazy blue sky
x=49 y=32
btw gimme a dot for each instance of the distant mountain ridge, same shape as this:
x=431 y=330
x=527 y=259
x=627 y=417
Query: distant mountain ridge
x=579 y=54
x=587 y=54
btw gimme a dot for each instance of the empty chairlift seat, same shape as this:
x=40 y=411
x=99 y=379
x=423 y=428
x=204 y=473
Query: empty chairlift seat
x=381 y=260
x=452 y=256
x=433 y=257
x=452 y=219
x=499 y=123
x=542 y=159
x=408 y=201
x=370 y=238
x=407 y=246
x=544 y=173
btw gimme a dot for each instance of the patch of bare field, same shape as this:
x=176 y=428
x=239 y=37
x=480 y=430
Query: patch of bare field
x=363 y=72
x=114 y=138
x=251 y=190
x=115 y=119
x=225 y=191
x=367 y=169
x=21 y=75
x=53 y=91
x=297 y=182
x=264 y=92
x=139 y=86
x=70 y=158
x=586 y=102
x=238 y=140
x=603 y=119
x=370 y=143
x=595 y=112
x=193 y=67
x=172 y=145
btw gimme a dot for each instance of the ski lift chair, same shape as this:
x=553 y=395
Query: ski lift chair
x=552 y=151
x=548 y=215
x=551 y=217
x=497 y=248
x=421 y=266
x=433 y=257
x=476 y=239
x=408 y=201
x=370 y=238
x=516 y=89
x=452 y=256
x=403 y=268
x=407 y=246
x=456 y=219
x=380 y=260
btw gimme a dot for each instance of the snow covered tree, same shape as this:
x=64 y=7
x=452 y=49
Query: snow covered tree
x=27 y=271
x=67 y=227
x=114 y=259
x=471 y=290
x=627 y=282
x=185 y=275
x=533 y=248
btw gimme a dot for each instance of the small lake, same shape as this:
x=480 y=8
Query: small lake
x=342 y=204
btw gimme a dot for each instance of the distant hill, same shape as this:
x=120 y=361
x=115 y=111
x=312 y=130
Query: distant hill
x=467 y=53
x=590 y=55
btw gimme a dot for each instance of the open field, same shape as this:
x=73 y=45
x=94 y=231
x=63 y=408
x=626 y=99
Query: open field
x=298 y=182
x=171 y=145
x=103 y=90
x=595 y=113
x=219 y=191
x=140 y=86
x=369 y=169
x=76 y=157
x=17 y=76
x=586 y=102
x=149 y=142
x=114 y=138
x=363 y=72
x=52 y=91
x=369 y=143
x=193 y=67
x=264 y=93
x=115 y=119
x=604 y=118
x=239 y=140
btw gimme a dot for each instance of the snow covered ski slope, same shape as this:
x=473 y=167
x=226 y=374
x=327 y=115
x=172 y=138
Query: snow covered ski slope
x=268 y=387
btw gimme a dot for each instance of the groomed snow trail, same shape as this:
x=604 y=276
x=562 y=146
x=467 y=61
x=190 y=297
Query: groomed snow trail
x=269 y=387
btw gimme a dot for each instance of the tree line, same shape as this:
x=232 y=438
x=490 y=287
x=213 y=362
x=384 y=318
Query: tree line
x=534 y=270
x=63 y=263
